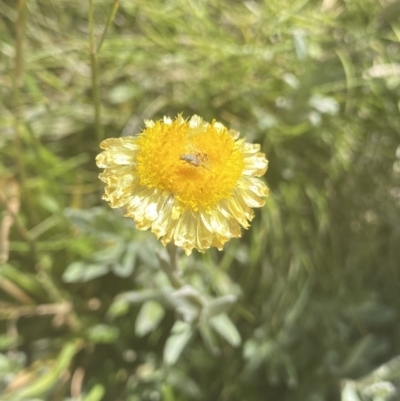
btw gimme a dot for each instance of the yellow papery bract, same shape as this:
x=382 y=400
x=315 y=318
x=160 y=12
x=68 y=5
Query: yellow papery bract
x=189 y=181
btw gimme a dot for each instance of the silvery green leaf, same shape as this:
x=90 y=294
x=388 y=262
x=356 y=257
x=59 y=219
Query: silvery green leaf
x=81 y=272
x=127 y=265
x=137 y=297
x=209 y=339
x=226 y=329
x=146 y=253
x=180 y=335
x=148 y=318
x=219 y=305
x=109 y=254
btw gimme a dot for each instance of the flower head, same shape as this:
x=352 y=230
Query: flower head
x=189 y=181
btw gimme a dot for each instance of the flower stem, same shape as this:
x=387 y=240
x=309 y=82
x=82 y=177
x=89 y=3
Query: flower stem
x=171 y=269
x=172 y=273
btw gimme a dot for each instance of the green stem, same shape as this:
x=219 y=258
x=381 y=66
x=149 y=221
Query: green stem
x=19 y=40
x=18 y=80
x=95 y=77
x=109 y=22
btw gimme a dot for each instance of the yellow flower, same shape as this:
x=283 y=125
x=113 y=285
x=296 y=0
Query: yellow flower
x=189 y=181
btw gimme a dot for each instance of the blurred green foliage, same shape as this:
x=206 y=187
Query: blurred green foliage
x=305 y=306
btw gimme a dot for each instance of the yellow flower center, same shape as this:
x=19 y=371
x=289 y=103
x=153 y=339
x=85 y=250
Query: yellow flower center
x=200 y=165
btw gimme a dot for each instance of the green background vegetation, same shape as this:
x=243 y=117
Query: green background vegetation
x=304 y=307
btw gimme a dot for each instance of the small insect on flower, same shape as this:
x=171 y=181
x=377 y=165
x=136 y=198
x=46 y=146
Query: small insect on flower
x=196 y=160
